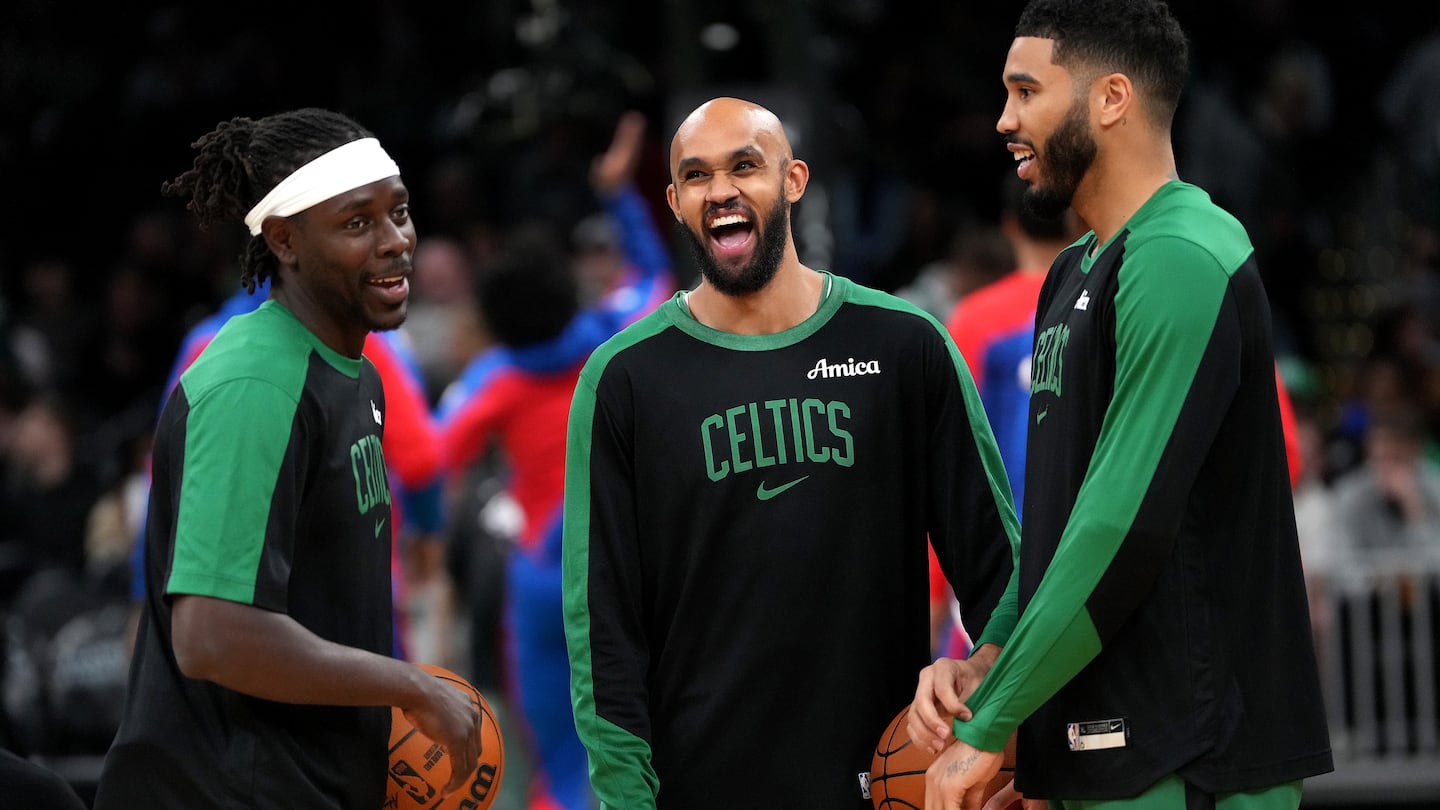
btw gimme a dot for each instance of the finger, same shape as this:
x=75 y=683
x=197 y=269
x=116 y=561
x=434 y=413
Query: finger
x=972 y=799
x=1003 y=798
x=921 y=721
x=947 y=691
x=925 y=733
x=462 y=764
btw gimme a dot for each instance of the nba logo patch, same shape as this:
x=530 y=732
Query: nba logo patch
x=865 y=784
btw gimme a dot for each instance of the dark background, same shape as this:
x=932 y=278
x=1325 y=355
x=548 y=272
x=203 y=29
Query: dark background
x=1301 y=119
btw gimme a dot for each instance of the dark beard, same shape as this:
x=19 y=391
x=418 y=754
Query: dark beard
x=764 y=262
x=1069 y=151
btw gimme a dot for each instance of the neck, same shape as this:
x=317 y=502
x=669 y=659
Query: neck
x=1115 y=188
x=791 y=296
x=320 y=320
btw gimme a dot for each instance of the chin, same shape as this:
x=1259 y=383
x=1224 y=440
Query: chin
x=389 y=321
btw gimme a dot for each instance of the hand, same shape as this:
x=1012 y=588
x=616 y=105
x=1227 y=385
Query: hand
x=447 y=716
x=958 y=778
x=1008 y=798
x=940 y=697
x=616 y=165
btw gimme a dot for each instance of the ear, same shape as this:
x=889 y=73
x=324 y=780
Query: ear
x=279 y=236
x=1114 y=96
x=672 y=197
x=797 y=176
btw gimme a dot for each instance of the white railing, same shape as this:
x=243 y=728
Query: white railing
x=1375 y=634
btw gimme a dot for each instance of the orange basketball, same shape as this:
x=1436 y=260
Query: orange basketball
x=897 y=770
x=419 y=768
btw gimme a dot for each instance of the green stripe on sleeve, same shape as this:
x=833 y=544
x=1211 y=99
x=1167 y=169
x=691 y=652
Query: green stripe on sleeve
x=236 y=437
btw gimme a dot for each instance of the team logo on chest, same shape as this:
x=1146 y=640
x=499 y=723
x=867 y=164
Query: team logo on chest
x=776 y=432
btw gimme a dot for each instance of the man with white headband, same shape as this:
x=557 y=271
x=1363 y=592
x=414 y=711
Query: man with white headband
x=262 y=674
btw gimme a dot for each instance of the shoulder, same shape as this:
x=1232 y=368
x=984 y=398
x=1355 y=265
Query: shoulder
x=886 y=308
x=1182 y=226
x=656 y=322
x=267 y=346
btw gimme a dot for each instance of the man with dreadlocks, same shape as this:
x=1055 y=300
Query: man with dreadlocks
x=262 y=673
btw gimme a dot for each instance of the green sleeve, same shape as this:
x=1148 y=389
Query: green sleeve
x=1171 y=295
x=607 y=653
x=236 y=437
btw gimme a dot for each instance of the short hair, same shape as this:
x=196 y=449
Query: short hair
x=1139 y=38
x=529 y=294
x=241 y=160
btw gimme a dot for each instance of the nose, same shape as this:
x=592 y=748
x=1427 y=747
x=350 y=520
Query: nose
x=720 y=189
x=1007 y=121
x=393 y=239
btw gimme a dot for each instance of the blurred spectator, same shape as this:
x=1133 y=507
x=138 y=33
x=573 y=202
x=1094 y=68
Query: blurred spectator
x=440 y=326
x=47 y=489
x=50 y=324
x=979 y=254
x=131 y=349
x=117 y=518
x=1391 y=503
x=514 y=398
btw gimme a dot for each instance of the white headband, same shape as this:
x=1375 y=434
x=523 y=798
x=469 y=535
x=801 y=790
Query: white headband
x=343 y=168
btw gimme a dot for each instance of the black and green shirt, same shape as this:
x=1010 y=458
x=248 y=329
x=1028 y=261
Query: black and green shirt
x=1163 y=620
x=745 y=564
x=268 y=489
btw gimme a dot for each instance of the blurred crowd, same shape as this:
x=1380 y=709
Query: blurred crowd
x=1319 y=129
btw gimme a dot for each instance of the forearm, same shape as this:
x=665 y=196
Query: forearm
x=269 y=655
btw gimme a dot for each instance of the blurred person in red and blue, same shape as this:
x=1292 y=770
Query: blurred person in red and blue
x=409 y=442
x=547 y=309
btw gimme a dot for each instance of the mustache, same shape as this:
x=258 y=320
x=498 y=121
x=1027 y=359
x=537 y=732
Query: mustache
x=714 y=209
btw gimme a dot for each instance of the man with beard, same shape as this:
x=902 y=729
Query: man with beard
x=1162 y=657
x=752 y=472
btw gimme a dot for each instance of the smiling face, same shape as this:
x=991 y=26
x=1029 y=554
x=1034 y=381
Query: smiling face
x=346 y=263
x=733 y=181
x=1046 y=124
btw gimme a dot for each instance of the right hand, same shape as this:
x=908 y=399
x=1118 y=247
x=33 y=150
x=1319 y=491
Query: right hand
x=940 y=697
x=448 y=717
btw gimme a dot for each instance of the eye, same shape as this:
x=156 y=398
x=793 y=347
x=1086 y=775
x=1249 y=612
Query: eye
x=400 y=214
x=693 y=174
x=745 y=166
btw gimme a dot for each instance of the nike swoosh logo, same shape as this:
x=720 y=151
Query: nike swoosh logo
x=766 y=494
x=379 y=524
x=1040 y=417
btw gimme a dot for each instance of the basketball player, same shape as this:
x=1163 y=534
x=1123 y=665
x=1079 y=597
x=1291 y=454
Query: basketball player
x=1162 y=611
x=262 y=673
x=411 y=444
x=751 y=475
